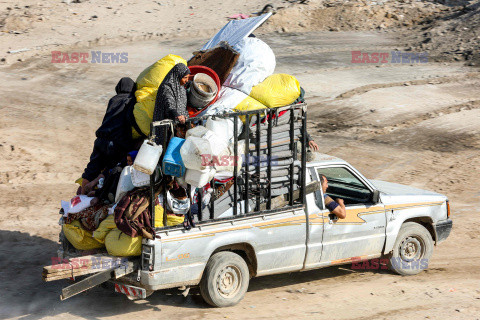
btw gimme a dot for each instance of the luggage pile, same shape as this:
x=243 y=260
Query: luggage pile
x=238 y=152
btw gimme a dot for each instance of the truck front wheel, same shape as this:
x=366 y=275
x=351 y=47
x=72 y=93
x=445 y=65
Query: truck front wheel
x=225 y=279
x=412 y=250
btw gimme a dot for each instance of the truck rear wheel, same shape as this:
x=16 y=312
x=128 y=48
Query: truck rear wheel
x=225 y=279
x=412 y=250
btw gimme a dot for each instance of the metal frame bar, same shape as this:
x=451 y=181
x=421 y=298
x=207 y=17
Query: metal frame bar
x=269 y=159
x=292 y=146
x=304 y=154
x=257 y=163
x=235 y=164
x=152 y=182
x=164 y=183
x=270 y=114
x=212 y=200
x=247 y=163
x=200 y=203
x=239 y=217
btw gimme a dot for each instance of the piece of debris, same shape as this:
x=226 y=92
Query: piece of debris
x=19 y=50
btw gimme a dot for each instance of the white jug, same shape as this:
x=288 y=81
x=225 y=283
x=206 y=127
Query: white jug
x=222 y=128
x=196 y=153
x=199 y=178
x=218 y=142
x=148 y=157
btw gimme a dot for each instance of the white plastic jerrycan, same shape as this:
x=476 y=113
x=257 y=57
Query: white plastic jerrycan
x=148 y=157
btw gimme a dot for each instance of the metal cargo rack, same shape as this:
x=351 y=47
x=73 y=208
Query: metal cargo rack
x=256 y=119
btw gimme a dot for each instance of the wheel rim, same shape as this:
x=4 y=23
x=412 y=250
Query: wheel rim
x=228 y=281
x=412 y=248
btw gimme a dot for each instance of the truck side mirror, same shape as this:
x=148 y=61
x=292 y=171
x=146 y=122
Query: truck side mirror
x=376 y=196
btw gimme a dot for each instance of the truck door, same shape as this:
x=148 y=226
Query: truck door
x=315 y=223
x=361 y=234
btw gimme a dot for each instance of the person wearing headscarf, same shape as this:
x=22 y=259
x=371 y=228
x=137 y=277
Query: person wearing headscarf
x=171 y=100
x=114 y=137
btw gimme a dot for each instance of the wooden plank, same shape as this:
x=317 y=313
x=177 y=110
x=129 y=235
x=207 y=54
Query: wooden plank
x=82 y=266
x=77 y=273
x=83 y=263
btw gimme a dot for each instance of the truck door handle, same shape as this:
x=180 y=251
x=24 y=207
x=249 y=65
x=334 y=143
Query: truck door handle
x=392 y=216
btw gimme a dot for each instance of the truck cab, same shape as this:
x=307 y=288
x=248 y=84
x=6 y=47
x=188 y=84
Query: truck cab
x=376 y=211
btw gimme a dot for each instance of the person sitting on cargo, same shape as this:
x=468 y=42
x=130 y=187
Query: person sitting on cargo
x=336 y=207
x=105 y=192
x=171 y=100
x=131 y=157
x=114 y=136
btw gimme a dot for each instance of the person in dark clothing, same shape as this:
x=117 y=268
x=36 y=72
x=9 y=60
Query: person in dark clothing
x=114 y=137
x=106 y=193
x=171 y=100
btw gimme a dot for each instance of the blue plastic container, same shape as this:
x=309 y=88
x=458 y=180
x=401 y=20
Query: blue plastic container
x=172 y=164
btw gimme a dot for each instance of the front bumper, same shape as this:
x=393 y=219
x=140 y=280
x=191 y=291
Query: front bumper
x=443 y=229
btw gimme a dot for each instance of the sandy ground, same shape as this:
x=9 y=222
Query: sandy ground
x=413 y=124
x=29 y=28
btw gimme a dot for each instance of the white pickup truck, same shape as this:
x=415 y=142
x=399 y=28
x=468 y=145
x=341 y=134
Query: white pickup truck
x=385 y=220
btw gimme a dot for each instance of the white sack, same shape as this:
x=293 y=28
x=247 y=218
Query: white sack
x=76 y=204
x=227 y=100
x=255 y=64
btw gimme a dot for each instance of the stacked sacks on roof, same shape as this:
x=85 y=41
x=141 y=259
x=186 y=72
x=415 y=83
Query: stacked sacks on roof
x=251 y=84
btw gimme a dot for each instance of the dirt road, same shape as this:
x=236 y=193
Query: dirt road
x=412 y=124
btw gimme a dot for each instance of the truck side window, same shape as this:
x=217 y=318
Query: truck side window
x=343 y=184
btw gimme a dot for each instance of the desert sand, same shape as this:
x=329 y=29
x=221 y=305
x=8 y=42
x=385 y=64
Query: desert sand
x=416 y=124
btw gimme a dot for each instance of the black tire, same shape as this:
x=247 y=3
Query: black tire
x=412 y=250
x=225 y=279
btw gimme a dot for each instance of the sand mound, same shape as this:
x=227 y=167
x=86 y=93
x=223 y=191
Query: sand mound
x=447 y=30
x=334 y=15
x=455 y=36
